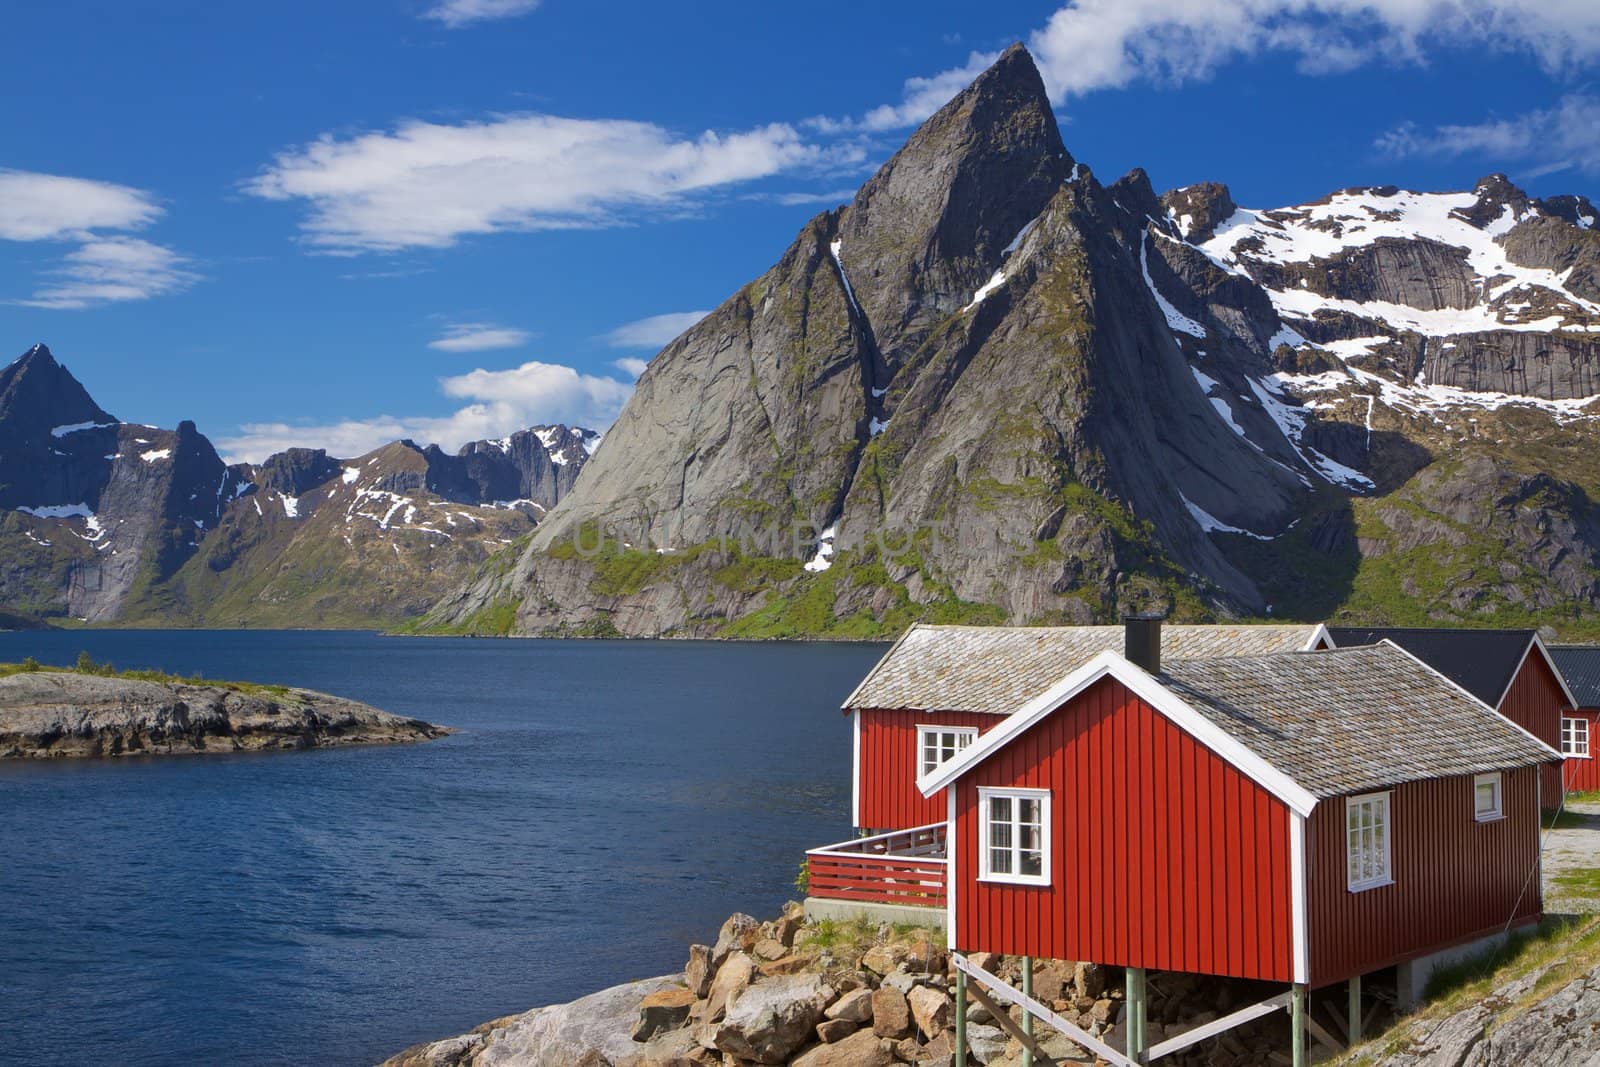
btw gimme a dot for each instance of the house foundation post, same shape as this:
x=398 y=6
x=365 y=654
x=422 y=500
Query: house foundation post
x=960 y=1058
x=1297 y=1026
x=1027 y=1016
x=1133 y=1012
x=1354 y=1007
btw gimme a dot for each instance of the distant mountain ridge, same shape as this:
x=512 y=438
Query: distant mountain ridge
x=104 y=521
x=993 y=388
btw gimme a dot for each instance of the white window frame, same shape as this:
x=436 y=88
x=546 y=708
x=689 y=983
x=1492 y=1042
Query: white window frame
x=1571 y=726
x=1499 y=810
x=964 y=736
x=985 y=795
x=1382 y=802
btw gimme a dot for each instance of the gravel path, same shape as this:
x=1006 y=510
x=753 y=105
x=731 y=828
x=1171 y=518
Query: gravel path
x=1573 y=847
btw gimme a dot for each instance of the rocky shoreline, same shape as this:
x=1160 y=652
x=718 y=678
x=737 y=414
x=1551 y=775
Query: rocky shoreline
x=60 y=715
x=831 y=994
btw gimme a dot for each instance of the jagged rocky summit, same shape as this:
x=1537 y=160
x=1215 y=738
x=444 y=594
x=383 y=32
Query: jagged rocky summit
x=104 y=521
x=994 y=388
x=64 y=714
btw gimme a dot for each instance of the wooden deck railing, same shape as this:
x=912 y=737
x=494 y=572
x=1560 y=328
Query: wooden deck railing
x=906 y=867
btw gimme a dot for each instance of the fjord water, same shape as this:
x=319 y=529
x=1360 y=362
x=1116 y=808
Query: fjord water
x=603 y=805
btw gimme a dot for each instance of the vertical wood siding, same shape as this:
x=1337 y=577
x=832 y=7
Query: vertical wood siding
x=1163 y=855
x=1454 y=878
x=1579 y=774
x=889 y=762
x=1534 y=702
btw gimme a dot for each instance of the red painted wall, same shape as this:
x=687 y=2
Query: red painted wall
x=1163 y=855
x=1579 y=774
x=1534 y=702
x=1454 y=877
x=889 y=760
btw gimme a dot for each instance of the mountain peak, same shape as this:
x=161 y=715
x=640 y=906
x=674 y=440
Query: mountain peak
x=38 y=393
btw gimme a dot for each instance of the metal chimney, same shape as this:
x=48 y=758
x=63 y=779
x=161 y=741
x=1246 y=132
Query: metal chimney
x=1141 y=641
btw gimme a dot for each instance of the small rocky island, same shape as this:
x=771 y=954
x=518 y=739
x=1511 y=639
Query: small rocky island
x=55 y=714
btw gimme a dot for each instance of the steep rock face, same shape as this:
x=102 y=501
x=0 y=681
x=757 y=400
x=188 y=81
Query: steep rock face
x=54 y=439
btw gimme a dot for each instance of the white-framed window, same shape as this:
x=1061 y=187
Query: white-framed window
x=1367 y=841
x=1575 y=736
x=1486 y=804
x=1014 y=836
x=935 y=744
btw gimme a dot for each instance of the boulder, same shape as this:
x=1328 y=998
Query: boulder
x=891 y=1013
x=860 y=1049
x=676 y=1048
x=769 y=948
x=665 y=1010
x=1052 y=980
x=1089 y=980
x=732 y=978
x=787 y=965
x=986 y=961
x=786 y=927
x=855 y=1006
x=698 y=972
x=931 y=1009
x=902 y=980
x=987 y=1043
x=739 y=932
x=598 y=1025
x=883 y=959
x=831 y=1030
x=772 y=1019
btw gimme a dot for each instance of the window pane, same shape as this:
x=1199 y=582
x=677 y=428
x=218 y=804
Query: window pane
x=1000 y=809
x=1028 y=810
x=1032 y=863
x=1000 y=860
x=1028 y=838
x=1000 y=834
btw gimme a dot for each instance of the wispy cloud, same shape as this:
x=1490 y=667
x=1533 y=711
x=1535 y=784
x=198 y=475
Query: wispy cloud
x=799 y=199
x=458 y=13
x=499 y=402
x=653 y=332
x=427 y=185
x=113 y=270
x=1089 y=45
x=49 y=207
x=479 y=337
x=631 y=365
x=1545 y=140
x=108 y=266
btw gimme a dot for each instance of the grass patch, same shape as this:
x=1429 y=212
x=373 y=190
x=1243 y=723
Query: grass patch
x=1567 y=819
x=1584 y=882
x=87 y=665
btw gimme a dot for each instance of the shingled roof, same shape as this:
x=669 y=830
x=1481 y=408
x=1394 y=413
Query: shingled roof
x=1343 y=721
x=1483 y=662
x=996 y=669
x=1310 y=725
x=1580 y=666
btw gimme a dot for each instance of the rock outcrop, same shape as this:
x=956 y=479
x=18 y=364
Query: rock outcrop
x=59 y=714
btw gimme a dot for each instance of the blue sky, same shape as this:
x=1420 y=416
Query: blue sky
x=333 y=224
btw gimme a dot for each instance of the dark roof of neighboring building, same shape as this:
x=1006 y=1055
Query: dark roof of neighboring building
x=996 y=669
x=1580 y=666
x=1345 y=720
x=1483 y=662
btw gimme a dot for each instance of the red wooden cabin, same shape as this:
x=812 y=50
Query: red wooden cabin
x=1580 y=725
x=1512 y=671
x=1275 y=817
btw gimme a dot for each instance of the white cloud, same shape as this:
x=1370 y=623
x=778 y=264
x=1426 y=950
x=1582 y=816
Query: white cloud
x=831 y=198
x=43 y=207
x=428 y=185
x=501 y=402
x=1088 y=45
x=457 y=13
x=653 y=332
x=113 y=270
x=631 y=365
x=479 y=337
x=1547 y=139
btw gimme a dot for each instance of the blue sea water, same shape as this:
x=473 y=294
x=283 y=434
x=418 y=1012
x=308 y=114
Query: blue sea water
x=603 y=805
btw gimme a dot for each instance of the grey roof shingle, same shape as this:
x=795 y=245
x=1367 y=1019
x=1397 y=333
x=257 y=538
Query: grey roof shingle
x=1350 y=720
x=996 y=669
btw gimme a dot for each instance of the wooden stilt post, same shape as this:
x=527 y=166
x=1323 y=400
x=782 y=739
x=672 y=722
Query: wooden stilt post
x=1133 y=1012
x=1355 y=1010
x=960 y=1059
x=1297 y=1026
x=1027 y=1016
